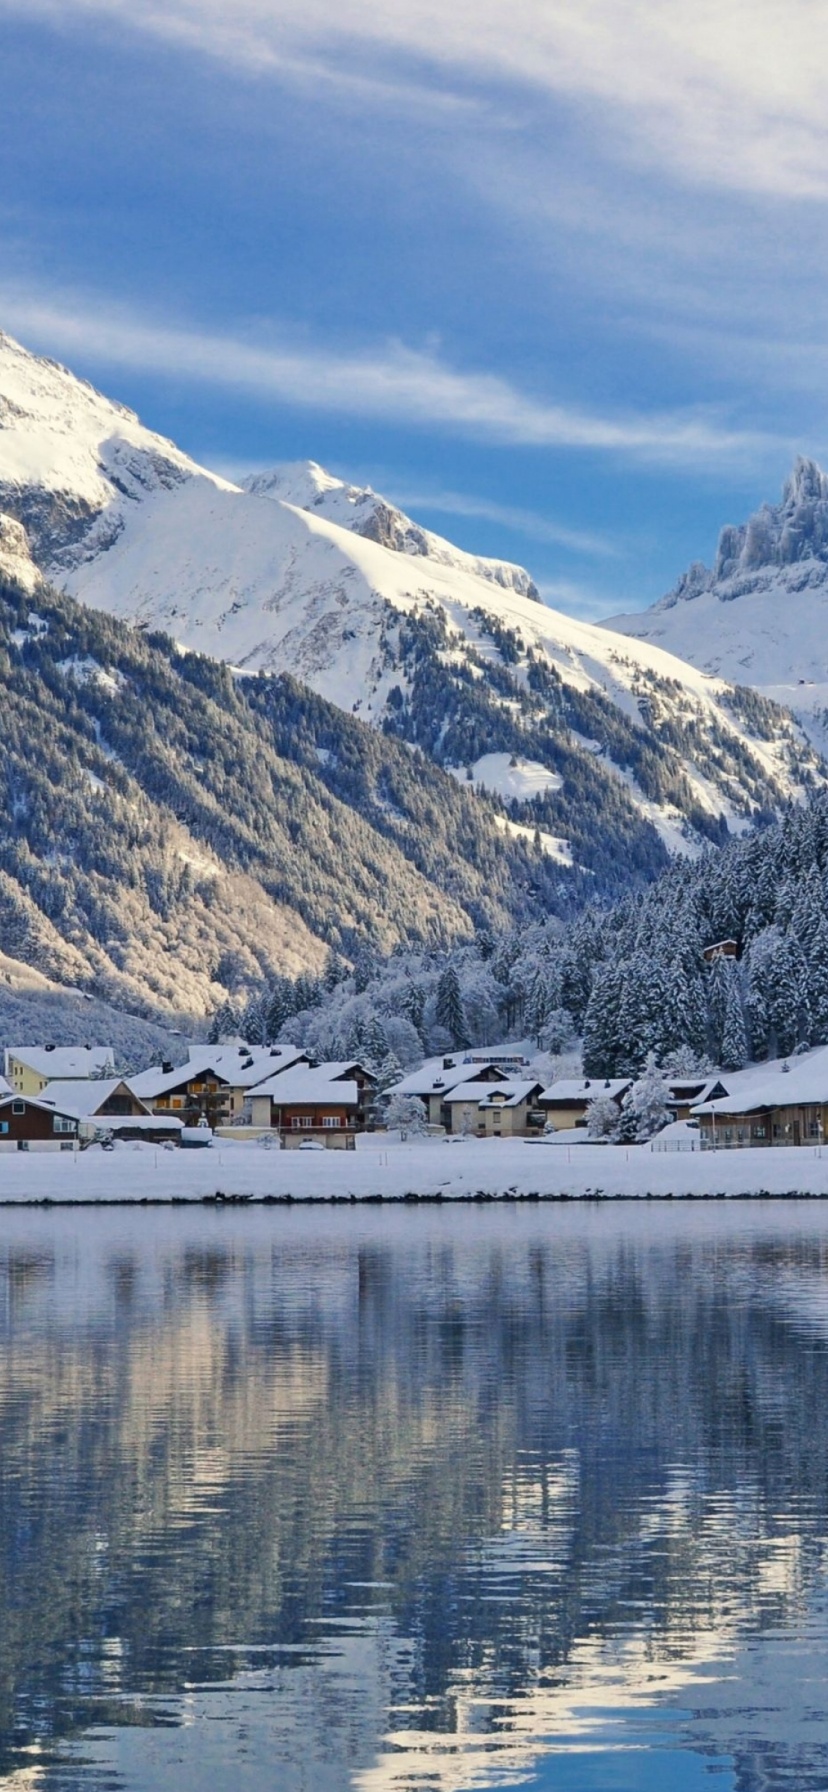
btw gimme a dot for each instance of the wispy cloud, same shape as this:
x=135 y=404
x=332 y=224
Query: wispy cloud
x=389 y=382
x=530 y=523
x=729 y=92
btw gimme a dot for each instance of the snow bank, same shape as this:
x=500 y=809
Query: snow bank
x=457 y=1170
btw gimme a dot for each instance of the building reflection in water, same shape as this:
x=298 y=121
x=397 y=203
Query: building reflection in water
x=393 y=1500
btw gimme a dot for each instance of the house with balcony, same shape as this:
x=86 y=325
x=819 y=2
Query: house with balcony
x=329 y=1103
x=215 y=1081
x=784 y=1102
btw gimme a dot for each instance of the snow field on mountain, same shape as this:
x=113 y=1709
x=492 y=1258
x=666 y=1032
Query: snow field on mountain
x=456 y=1170
x=299 y=572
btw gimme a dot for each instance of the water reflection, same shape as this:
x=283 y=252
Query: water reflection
x=399 y=1500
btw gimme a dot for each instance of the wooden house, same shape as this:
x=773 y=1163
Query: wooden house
x=112 y=1107
x=29 y=1123
x=781 y=1103
x=215 y=1082
x=330 y=1103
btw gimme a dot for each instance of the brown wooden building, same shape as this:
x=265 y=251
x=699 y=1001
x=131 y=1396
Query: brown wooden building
x=27 y=1121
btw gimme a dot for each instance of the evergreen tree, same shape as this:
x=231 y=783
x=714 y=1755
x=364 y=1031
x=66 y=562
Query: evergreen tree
x=374 y=1043
x=450 y=1007
x=389 y=1072
x=734 y=1046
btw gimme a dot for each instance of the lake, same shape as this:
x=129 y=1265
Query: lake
x=323 y=1499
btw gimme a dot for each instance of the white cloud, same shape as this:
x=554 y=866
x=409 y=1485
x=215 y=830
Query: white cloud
x=508 y=516
x=730 y=92
x=391 y=382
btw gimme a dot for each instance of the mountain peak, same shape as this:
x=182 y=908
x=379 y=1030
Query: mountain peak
x=360 y=509
x=757 y=616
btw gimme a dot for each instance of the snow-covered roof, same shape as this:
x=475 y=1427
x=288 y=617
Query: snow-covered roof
x=84 y=1098
x=571 y=1090
x=64 y=1062
x=37 y=1101
x=136 y=1122
x=506 y=1094
x=435 y=1076
x=311 y=1088
x=337 y=1068
x=234 y=1065
x=5 y=1088
x=697 y=1088
x=803 y=1083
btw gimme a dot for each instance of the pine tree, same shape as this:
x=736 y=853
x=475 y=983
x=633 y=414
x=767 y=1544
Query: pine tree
x=374 y=1043
x=389 y=1072
x=450 y=1007
x=734 y=1050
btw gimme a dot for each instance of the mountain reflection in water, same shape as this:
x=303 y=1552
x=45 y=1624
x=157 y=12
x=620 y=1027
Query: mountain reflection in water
x=389 y=1500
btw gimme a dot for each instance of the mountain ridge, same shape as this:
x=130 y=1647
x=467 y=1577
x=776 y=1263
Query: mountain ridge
x=441 y=649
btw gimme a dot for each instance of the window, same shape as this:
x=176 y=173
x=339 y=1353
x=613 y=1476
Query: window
x=62 y=1123
x=22 y=1144
x=18 y=1107
x=760 y=1132
x=4 y=1126
x=331 y=1120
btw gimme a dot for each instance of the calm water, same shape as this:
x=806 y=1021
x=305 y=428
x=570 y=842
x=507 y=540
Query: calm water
x=320 y=1501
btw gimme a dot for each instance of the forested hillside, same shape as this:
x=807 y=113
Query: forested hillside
x=630 y=979
x=171 y=835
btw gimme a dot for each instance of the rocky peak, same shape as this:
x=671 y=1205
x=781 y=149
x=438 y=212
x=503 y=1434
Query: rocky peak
x=15 y=554
x=780 y=534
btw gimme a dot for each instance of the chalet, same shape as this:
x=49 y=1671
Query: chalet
x=565 y=1103
x=501 y=1110
x=30 y=1067
x=781 y=1103
x=215 y=1082
x=327 y=1102
x=435 y=1080
x=720 y=949
x=28 y=1123
x=111 y=1107
x=685 y=1093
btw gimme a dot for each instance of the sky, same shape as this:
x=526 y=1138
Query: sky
x=548 y=273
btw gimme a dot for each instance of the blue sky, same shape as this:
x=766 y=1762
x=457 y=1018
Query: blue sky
x=551 y=275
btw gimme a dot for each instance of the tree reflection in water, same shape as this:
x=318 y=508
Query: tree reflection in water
x=385 y=1500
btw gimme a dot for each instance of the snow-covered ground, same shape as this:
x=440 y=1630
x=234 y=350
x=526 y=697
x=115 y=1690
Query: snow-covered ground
x=452 y=1170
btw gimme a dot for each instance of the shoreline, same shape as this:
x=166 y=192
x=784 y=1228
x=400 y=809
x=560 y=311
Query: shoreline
x=470 y=1172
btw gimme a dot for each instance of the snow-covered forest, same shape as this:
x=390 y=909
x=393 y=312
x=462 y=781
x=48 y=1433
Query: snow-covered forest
x=630 y=979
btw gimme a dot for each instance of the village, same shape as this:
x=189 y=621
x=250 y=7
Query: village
x=69 y=1098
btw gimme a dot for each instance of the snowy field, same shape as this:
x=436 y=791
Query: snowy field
x=463 y=1170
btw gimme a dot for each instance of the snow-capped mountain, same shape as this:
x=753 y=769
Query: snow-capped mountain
x=296 y=571
x=759 y=615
